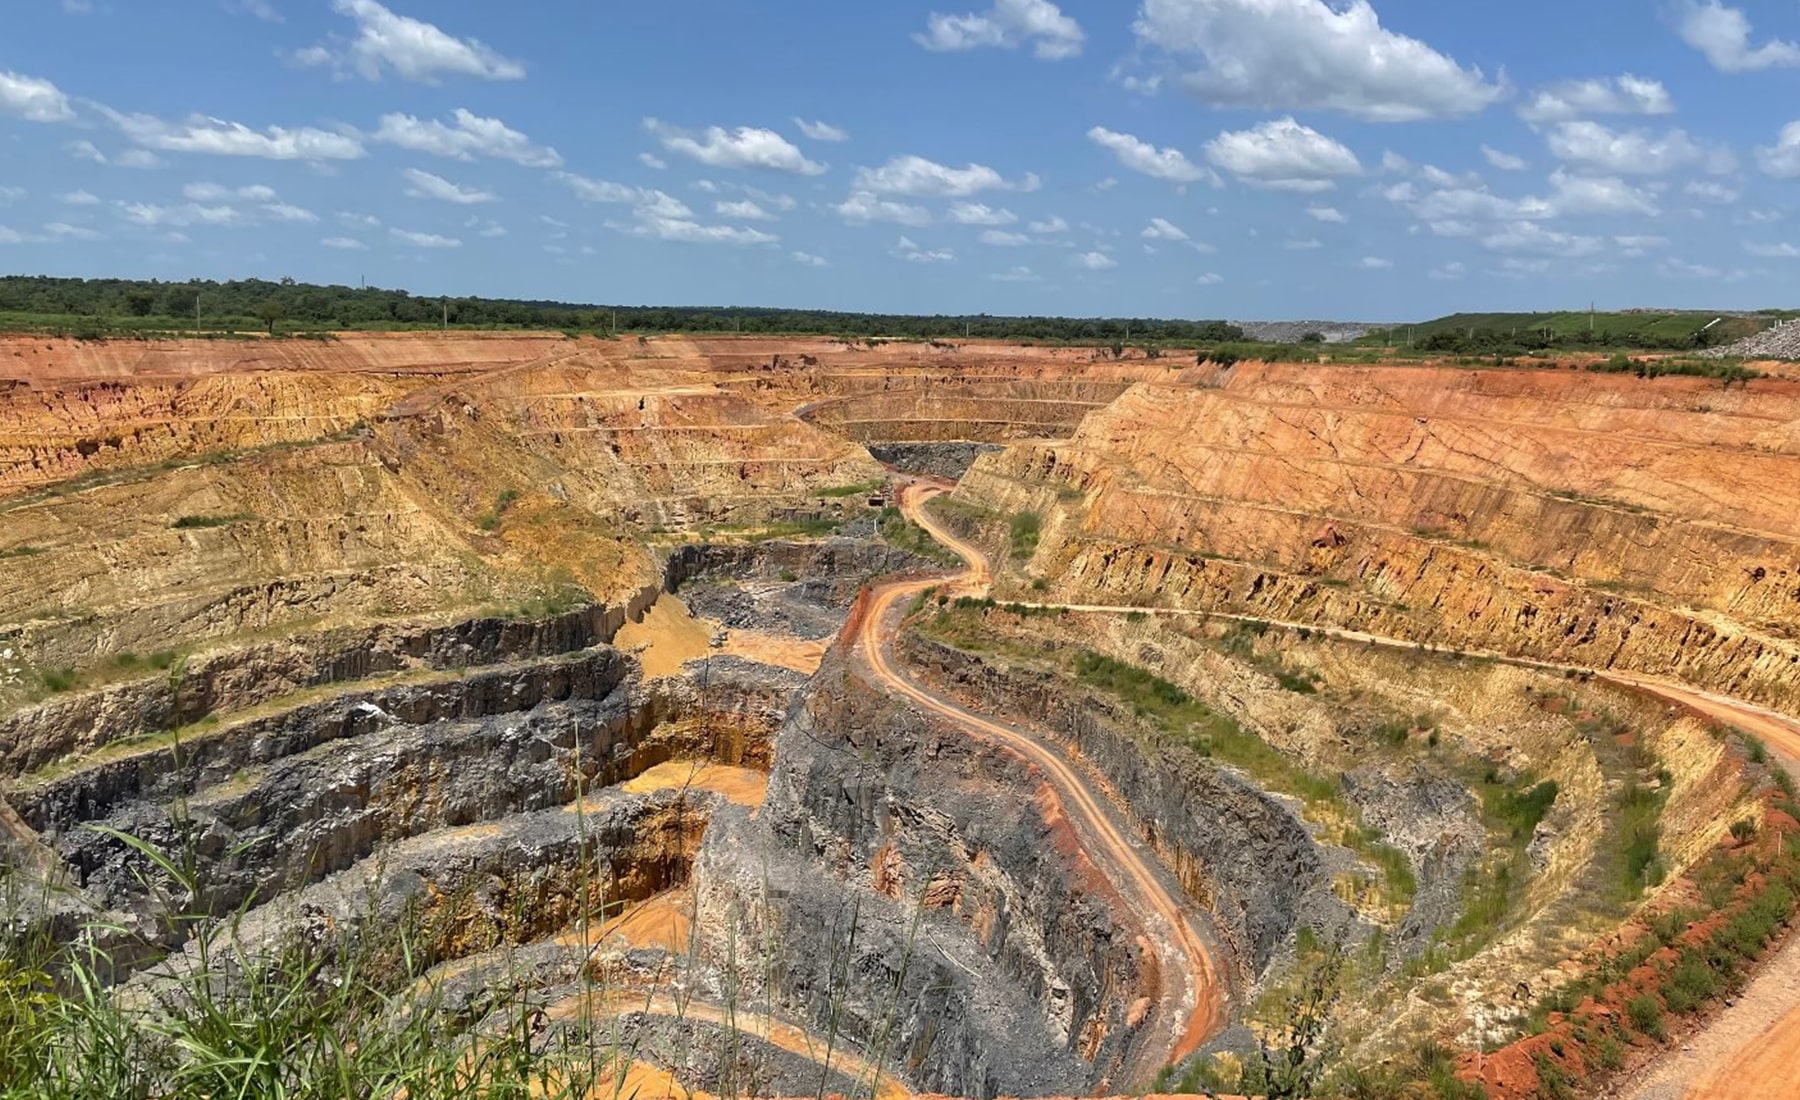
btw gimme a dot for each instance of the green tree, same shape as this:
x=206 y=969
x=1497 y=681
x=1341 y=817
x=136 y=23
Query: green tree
x=270 y=312
x=139 y=301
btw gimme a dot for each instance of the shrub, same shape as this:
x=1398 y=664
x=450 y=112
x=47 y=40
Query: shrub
x=1025 y=529
x=1742 y=830
x=1646 y=1014
x=1691 y=984
x=194 y=523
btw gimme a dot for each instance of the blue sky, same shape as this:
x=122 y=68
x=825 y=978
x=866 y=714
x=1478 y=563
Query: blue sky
x=1194 y=158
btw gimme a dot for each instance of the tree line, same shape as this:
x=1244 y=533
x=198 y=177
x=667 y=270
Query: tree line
x=125 y=304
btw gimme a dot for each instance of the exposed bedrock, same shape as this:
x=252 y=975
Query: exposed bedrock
x=1237 y=852
x=274 y=803
x=1026 y=972
x=946 y=460
x=236 y=679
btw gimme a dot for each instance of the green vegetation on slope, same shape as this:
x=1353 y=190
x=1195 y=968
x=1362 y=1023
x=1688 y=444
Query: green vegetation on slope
x=1513 y=333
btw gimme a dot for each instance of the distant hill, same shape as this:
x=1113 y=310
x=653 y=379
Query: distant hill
x=1672 y=330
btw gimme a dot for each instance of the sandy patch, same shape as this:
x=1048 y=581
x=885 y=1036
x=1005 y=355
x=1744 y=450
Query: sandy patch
x=668 y=637
x=799 y=654
x=744 y=786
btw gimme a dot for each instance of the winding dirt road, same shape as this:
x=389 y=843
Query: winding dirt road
x=1188 y=1005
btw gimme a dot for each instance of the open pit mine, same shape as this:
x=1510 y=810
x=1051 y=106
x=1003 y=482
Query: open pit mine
x=739 y=717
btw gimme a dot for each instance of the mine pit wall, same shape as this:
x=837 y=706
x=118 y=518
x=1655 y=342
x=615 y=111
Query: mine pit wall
x=281 y=801
x=1238 y=854
x=1317 y=569
x=949 y=461
x=241 y=678
x=1023 y=975
x=831 y=572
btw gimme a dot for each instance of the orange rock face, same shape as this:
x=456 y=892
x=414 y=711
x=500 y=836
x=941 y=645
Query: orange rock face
x=1603 y=521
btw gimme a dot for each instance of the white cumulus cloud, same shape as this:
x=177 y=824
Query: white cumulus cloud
x=1283 y=155
x=217 y=137
x=1141 y=156
x=863 y=207
x=1161 y=229
x=409 y=48
x=1309 y=55
x=744 y=147
x=1623 y=152
x=908 y=249
x=1722 y=35
x=345 y=244
x=1326 y=214
x=822 y=131
x=975 y=213
x=1009 y=24
x=465 y=137
x=424 y=185
x=1782 y=159
x=1572 y=99
x=1095 y=261
x=920 y=178
x=33 y=99
x=1505 y=162
x=423 y=240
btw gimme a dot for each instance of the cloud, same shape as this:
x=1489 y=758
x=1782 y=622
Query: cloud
x=1009 y=24
x=1306 y=55
x=63 y=231
x=1575 y=196
x=1016 y=275
x=1449 y=273
x=1782 y=159
x=1326 y=214
x=261 y=9
x=603 y=191
x=1776 y=250
x=33 y=99
x=1572 y=99
x=1722 y=35
x=215 y=193
x=653 y=162
x=907 y=249
x=975 y=213
x=744 y=147
x=467 y=137
x=1707 y=191
x=1374 y=263
x=423 y=240
x=863 y=207
x=1141 y=156
x=1633 y=152
x=1211 y=278
x=807 y=259
x=1505 y=162
x=1283 y=155
x=79 y=198
x=822 y=131
x=1636 y=245
x=345 y=244
x=744 y=211
x=1161 y=229
x=921 y=178
x=1534 y=238
x=10 y=195
x=1095 y=261
x=662 y=217
x=1049 y=227
x=1001 y=238
x=1302 y=244
x=410 y=48
x=424 y=185
x=217 y=137
x=153 y=215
